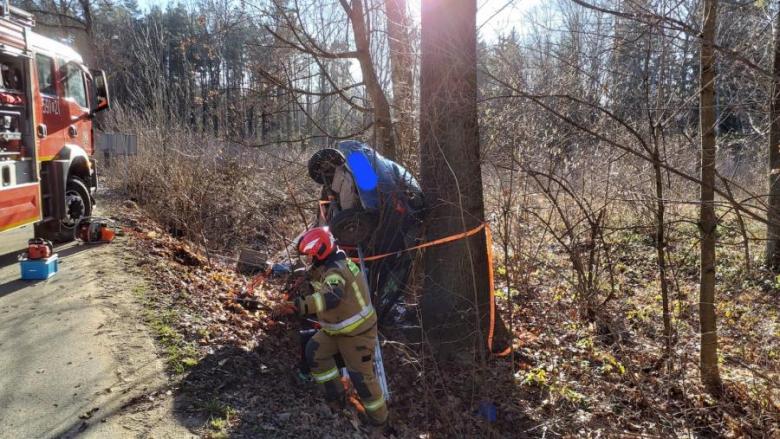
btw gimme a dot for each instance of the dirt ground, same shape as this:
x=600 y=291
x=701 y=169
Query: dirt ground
x=77 y=358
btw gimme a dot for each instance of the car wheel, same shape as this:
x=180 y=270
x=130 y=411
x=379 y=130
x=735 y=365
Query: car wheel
x=323 y=163
x=353 y=226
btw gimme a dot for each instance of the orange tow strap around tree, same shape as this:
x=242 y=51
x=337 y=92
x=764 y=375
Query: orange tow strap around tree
x=440 y=241
x=491 y=330
x=489 y=245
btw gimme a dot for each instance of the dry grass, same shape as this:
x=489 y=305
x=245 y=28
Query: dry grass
x=604 y=374
x=216 y=194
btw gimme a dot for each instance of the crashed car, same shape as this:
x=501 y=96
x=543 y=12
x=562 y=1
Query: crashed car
x=374 y=206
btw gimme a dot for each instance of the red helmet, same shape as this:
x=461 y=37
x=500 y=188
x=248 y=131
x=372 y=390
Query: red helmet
x=317 y=243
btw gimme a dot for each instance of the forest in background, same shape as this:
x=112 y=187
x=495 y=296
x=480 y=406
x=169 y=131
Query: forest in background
x=589 y=137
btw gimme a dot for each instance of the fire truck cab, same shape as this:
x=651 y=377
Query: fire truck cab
x=48 y=99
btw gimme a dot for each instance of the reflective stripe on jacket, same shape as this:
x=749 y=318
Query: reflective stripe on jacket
x=341 y=300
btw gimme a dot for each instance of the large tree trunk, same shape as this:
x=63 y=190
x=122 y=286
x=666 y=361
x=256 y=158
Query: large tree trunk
x=456 y=273
x=399 y=34
x=383 y=125
x=773 y=228
x=710 y=375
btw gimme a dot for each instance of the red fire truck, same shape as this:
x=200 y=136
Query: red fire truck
x=48 y=98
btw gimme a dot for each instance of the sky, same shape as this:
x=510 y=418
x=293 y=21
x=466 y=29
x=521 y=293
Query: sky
x=494 y=17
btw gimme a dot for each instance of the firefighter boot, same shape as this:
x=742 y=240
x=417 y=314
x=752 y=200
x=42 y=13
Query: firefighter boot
x=358 y=353
x=319 y=354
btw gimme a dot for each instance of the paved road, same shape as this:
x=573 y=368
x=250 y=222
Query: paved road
x=75 y=352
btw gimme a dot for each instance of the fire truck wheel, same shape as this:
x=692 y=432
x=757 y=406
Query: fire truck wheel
x=77 y=203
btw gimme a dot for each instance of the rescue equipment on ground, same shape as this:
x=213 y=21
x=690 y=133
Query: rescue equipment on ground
x=94 y=230
x=38 y=248
x=39 y=269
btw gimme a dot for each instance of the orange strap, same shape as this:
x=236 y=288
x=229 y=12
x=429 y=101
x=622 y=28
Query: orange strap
x=427 y=244
x=491 y=330
x=489 y=244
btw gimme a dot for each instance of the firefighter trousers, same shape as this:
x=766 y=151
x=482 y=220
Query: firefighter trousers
x=358 y=354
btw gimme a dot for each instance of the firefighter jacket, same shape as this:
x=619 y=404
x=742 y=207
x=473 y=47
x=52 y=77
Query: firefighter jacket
x=340 y=300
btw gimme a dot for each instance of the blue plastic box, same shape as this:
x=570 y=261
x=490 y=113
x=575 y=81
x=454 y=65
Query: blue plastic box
x=38 y=269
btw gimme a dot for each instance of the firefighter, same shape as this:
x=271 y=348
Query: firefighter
x=347 y=321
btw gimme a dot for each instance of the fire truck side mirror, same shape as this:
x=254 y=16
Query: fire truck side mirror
x=100 y=99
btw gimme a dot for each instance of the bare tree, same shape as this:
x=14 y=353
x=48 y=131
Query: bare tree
x=383 y=125
x=399 y=35
x=708 y=223
x=773 y=226
x=322 y=41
